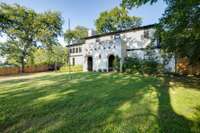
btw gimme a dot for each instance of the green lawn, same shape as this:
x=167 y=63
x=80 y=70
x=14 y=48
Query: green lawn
x=99 y=102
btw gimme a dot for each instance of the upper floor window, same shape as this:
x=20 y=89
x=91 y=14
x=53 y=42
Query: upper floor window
x=76 y=50
x=73 y=51
x=97 y=40
x=146 y=34
x=117 y=36
x=70 y=50
x=80 y=50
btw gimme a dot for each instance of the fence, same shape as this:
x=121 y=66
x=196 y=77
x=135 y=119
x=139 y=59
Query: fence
x=28 y=69
x=183 y=67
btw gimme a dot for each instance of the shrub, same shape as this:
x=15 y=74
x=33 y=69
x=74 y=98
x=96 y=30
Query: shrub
x=151 y=67
x=116 y=64
x=132 y=65
x=77 y=68
x=135 y=65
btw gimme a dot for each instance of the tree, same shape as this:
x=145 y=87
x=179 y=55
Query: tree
x=58 y=56
x=116 y=19
x=76 y=35
x=178 y=28
x=25 y=28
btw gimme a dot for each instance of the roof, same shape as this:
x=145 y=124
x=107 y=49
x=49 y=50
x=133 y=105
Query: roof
x=112 y=33
x=76 y=44
x=121 y=31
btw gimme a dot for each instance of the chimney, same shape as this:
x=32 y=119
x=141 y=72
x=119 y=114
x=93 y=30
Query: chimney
x=91 y=32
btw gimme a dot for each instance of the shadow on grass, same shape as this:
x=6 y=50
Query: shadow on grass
x=89 y=102
x=169 y=120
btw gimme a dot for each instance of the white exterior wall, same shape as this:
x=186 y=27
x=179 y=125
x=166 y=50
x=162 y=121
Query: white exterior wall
x=100 y=52
x=130 y=44
x=135 y=39
x=136 y=43
x=78 y=56
x=78 y=60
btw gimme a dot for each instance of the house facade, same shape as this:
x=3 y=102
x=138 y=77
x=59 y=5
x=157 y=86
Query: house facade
x=98 y=52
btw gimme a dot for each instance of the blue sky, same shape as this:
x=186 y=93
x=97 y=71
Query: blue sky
x=84 y=12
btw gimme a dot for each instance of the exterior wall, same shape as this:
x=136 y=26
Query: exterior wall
x=136 y=39
x=76 y=55
x=100 y=51
x=78 y=60
x=127 y=44
x=141 y=54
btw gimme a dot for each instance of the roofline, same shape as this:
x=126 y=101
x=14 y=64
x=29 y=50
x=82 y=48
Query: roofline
x=112 y=33
x=121 y=31
x=75 y=44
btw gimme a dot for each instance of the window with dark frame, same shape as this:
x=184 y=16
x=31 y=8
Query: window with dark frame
x=73 y=61
x=146 y=34
x=73 y=51
x=70 y=50
x=80 y=50
x=117 y=36
x=76 y=50
x=97 y=40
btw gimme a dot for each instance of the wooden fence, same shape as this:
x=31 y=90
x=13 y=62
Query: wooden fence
x=183 y=67
x=29 y=69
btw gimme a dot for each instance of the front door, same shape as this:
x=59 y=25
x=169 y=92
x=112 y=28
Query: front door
x=111 y=59
x=90 y=63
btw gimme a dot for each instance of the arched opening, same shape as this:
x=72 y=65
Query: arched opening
x=90 y=63
x=111 y=59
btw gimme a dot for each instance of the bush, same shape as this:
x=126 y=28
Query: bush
x=116 y=64
x=132 y=65
x=77 y=68
x=152 y=67
x=135 y=65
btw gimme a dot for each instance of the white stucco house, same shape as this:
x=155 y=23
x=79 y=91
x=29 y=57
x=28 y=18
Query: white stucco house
x=97 y=52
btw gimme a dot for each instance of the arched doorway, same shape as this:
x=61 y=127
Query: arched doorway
x=89 y=63
x=111 y=59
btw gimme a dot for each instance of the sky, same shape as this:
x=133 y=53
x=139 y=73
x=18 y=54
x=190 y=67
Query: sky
x=84 y=12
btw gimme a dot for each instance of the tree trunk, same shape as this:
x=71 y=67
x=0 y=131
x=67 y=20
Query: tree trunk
x=23 y=65
x=55 y=66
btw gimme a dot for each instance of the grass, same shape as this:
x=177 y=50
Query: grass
x=99 y=102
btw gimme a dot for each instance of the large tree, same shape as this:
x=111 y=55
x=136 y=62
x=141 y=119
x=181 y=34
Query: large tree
x=116 y=19
x=25 y=28
x=179 y=28
x=76 y=34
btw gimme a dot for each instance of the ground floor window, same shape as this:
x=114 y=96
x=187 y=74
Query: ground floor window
x=73 y=61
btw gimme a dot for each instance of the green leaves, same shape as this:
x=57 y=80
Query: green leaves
x=116 y=19
x=24 y=28
x=77 y=34
x=178 y=28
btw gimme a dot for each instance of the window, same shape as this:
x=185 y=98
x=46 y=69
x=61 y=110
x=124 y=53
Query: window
x=73 y=61
x=76 y=50
x=70 y=50
x=73 y=51
x=146 y=34
x=117 y=36
x=158 y=42
x=80 y=50
x=97 y=40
